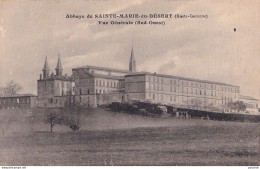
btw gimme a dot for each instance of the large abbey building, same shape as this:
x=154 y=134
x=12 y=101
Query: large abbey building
x=94 y=86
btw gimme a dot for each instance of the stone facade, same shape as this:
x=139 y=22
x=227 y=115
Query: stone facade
x=54 y=90
x=179 y=91
x=96 y=86
x=251 y=104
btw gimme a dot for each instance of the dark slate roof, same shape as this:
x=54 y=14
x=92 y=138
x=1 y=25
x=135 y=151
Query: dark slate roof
x=85 y=74
x=177 y=77
x=101 y=68
x=19 y=95
x=247 y=98
x=82 y=74
x=109 y=77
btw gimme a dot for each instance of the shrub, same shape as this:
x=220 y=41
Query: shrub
x=68 y=116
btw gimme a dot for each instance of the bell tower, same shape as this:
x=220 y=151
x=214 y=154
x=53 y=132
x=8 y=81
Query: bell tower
x=59 y=67
x=132 y=66
x=46 y=69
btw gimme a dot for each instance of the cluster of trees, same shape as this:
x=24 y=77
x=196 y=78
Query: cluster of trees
x=137 y=107
x=11 y=88
x=237 y=106
x=68 y=116
x=197 y=104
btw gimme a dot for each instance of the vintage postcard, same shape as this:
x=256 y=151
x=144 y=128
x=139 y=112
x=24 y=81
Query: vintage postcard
x=129 y=83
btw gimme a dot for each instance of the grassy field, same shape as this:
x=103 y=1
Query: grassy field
x=107 y=138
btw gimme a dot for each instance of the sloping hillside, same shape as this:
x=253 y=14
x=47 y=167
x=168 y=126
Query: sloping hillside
x=109 y=138
x=25 y=122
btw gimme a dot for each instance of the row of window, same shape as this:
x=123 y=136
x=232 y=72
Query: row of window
x=67 y=93
x=173 y=99
x=172 y=88
x=63 y=84
x=12 y=107
x=184 y=90
x=80 y=91
x=251 y=106
x=14 y=100
x=193 y=84
x=98 y=91
x=108 y=83
x=226 y=100
x=103 y=91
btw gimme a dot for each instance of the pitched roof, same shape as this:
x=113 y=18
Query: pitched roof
x=177 y=77
x=108 y=76
x=46 y=66
x=19 y=95
x=101 y=68
x=85 y=74
x=247 y=97
x=82 y=74
x=59 y=67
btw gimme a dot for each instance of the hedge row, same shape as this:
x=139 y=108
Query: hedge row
x=221 y=116
x=143 y=108
x=138 y=108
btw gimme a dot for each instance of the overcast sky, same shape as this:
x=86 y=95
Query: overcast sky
x=198 y=48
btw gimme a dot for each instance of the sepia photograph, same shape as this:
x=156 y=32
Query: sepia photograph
x=129 y=83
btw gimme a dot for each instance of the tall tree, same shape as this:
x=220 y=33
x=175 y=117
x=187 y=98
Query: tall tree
x=12 y=88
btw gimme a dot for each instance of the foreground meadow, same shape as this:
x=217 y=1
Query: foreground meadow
x=107 y=138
